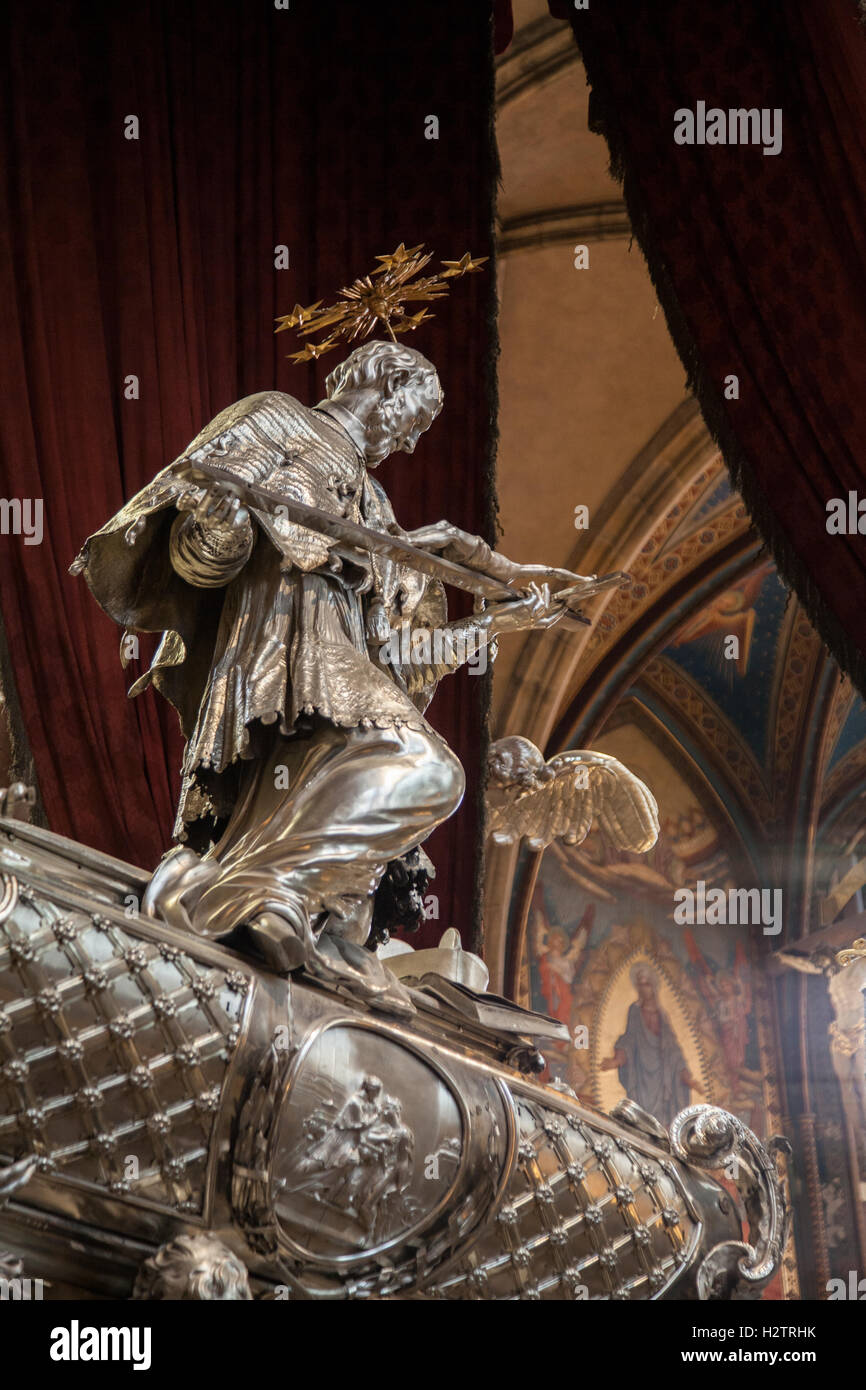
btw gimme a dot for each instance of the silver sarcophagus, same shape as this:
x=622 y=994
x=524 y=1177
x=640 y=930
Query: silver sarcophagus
x=178 y=1121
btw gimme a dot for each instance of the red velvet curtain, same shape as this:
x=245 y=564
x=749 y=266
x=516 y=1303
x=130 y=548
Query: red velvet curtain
x=154 y=258
x=759 y=260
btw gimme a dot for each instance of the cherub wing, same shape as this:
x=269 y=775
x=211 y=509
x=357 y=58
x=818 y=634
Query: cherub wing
x=797 y=961
x=581 y=934
x=581 y=788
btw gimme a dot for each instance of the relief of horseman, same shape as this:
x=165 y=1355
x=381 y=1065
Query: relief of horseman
x=390 y=1147
x=339 y=1147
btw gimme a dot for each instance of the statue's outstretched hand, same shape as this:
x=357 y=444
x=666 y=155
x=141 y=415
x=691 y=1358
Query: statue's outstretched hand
x=464 y=549
x=535 y=609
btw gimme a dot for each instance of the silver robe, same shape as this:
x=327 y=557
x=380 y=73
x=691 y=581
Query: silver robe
x=270 y=635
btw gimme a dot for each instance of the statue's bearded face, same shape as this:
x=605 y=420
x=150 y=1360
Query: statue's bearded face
x=397 y=421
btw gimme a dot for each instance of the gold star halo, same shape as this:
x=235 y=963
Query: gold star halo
x=377 y=298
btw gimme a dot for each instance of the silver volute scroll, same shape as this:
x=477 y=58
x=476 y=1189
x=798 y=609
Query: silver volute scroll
x=713 y=1139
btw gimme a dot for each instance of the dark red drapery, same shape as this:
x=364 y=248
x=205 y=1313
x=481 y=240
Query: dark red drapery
x=154 y=258
x=759 y=260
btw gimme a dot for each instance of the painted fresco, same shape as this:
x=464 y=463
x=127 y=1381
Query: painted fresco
x=658 y=1012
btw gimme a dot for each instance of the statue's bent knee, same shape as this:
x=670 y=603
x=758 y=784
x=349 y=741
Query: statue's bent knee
x=447 y=780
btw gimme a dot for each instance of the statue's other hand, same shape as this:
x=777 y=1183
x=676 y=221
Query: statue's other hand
x=441 y=536
x=461 y=548
x=464 y=549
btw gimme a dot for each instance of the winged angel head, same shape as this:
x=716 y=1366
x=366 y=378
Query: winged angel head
x=561 y=799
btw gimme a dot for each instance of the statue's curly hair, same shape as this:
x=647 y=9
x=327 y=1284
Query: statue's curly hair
x=381 y=363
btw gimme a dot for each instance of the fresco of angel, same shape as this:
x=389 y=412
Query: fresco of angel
x=559 y=959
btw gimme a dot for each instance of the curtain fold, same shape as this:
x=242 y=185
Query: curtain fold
x=139 y=288
x=759 y=259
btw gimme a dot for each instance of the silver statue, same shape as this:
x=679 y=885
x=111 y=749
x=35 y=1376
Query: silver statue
x=309 y=764
x=562 y=798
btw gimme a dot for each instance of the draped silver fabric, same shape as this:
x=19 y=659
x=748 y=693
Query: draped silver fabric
x=317 y=820
x=309 y=763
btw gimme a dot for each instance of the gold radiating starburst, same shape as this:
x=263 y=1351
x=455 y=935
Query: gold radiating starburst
x=377 y=298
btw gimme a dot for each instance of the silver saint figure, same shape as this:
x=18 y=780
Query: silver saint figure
x=309 y=764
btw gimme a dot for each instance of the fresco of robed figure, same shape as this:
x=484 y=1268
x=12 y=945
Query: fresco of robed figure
x=650 y=1063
